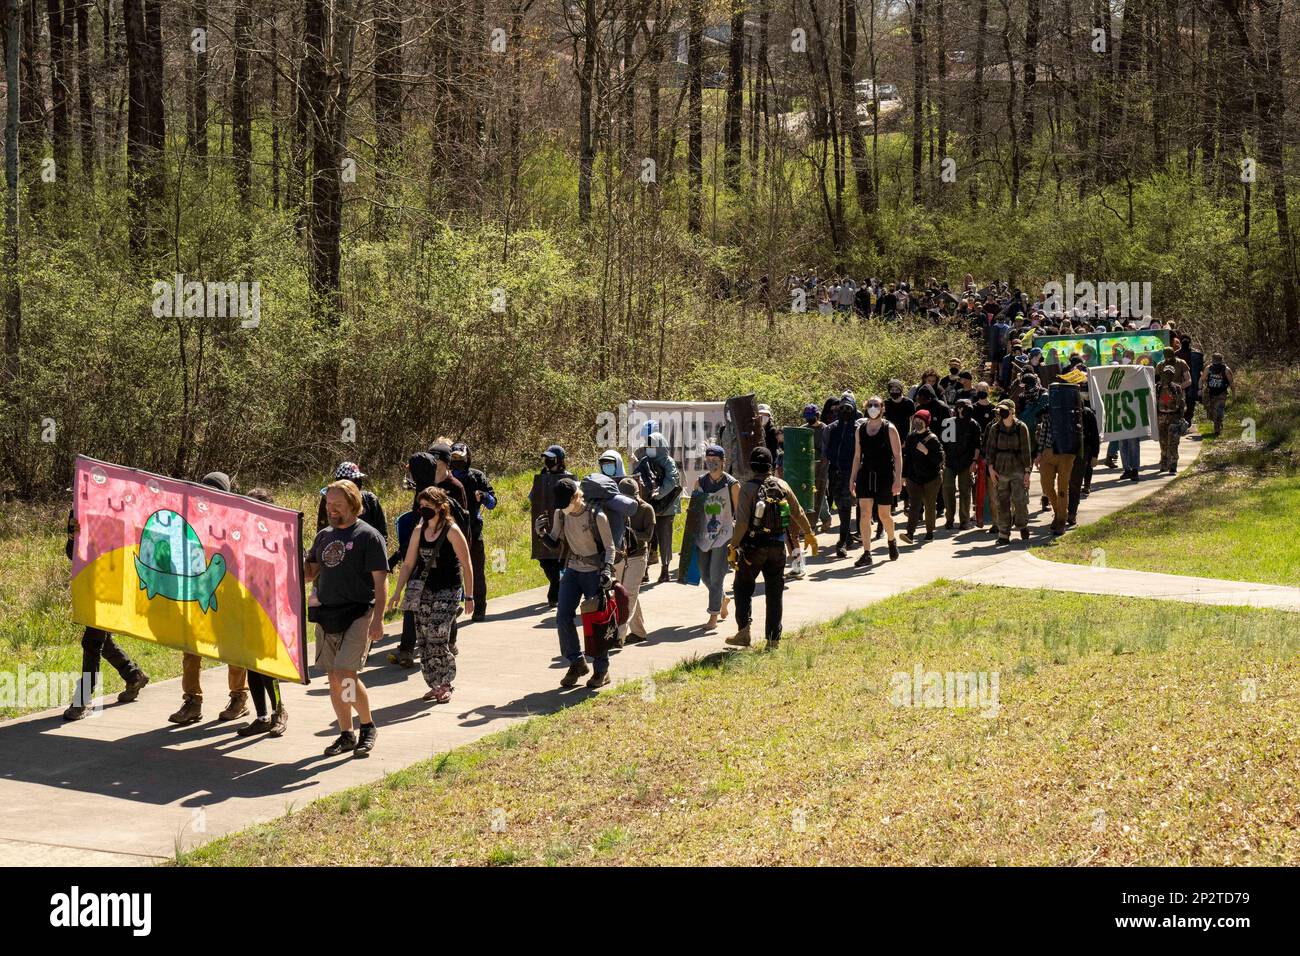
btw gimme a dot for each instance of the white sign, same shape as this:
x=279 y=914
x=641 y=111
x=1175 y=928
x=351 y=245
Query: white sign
x=1124 y=398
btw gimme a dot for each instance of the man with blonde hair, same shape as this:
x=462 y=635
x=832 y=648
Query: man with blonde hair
x=348 y=563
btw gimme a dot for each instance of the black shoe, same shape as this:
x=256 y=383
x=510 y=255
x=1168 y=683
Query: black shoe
x=367 y=742
x=893 y=551
x=259 y=726
x=947 y=525
x=634 y=638
x=1044 y=503
x=906 y=536
x=479 y=615
x=1133 y=475
x=663 y=574
x=1112 y=462
x=345 y=743
x=840 y=552
x=1071 y=521
x=1024 y=534
x=1173 y=470
x=598 y=680
x=929 y=536
x=772 y=644
x=575 y=671
x=76 y=712
x=880 y=529
x=1002 y=540
x=1085 y=491
x=864 y=561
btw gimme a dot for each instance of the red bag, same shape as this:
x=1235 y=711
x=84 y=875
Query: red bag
x=600 y=620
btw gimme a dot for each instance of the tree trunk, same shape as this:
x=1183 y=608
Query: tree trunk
x=864 y=183
x=695 y=120
x=735 y=93
x=918 y=92
x=941 y=71
x=1031 y=78
x=387 y=104
x=59 y=88
x=241 y=119
x=85 y=92
x=145 y=130
x=586 y=93
x=275 y=114
x=977 y=107
x=199 y=144
x=12 y=288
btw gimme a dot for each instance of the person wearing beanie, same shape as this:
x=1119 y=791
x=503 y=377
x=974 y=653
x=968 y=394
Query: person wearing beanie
x=922 y=473
x=1009 y=452
x=640 y=531
x=191 y=710
x=542 y=499
x=719 y=495
x=767 y=511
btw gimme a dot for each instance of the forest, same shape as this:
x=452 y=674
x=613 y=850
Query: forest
x=265 y=235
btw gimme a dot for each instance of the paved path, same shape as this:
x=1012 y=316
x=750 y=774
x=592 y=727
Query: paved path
x=128 y=787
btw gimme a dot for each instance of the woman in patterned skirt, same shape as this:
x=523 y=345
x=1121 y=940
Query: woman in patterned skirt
x=435 y=574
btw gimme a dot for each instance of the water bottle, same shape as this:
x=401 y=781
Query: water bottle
x=760 y=506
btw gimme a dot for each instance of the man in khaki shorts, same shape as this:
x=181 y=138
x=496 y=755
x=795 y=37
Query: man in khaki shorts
x=349 y=564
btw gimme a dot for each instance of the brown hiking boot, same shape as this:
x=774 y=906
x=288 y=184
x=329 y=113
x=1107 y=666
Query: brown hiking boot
x=739 y=639
x=237 y=707
x=279 y=723
x=133 y=688
x=191 y=711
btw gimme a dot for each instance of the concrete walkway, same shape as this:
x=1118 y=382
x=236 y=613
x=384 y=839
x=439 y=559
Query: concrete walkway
x=128 y=787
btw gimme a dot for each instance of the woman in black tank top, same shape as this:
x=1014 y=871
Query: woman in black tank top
x=436 y=572
x=877 y=477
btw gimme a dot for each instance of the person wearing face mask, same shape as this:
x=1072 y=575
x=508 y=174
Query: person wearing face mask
x=542 y=499
x=961 y=439
x=611 y=464
x=588 y=546
x=950 y=383
x=898 y=411
x=480 y=495
x=1030 y=405
x=658 y=473
x=1013 y=364
x=922 y=470
x=877 y=476
x=820 y=423
x=771 y=437
x=439 y=570
x=1010 y=454
x=837 y=449
x=720 y=503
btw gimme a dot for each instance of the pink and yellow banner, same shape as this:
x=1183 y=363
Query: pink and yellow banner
x=189 y=567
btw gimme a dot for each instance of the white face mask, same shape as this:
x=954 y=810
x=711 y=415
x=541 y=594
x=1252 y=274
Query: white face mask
x=1126 y=360
x=873 y=411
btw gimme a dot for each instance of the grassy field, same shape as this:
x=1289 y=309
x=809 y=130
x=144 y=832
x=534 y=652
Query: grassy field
x=1126 y=732
x=1235 y=515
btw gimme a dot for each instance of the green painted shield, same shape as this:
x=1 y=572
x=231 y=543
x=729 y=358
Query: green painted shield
x=171 y=562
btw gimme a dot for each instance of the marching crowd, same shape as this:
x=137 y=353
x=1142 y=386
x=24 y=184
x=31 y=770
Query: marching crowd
x=959 y=447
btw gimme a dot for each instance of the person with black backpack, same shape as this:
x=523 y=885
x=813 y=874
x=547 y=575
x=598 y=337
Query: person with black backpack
x=479 y=494
x=661 y=478
x=767 y=511
x=587 y=545
x=1215 y=383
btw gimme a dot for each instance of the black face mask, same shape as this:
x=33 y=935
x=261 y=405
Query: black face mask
x=895 y=395
x=1004 y=413
x=428 y=514
x=846 y=414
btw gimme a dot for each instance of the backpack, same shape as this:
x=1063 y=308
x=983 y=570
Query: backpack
x=603 y=497
x=770 y=513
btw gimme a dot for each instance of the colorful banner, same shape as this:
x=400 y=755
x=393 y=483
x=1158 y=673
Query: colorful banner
x=189 y=567
x=1145 y=348
x=1124 y=397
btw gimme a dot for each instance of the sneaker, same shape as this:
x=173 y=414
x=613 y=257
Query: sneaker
x=1024 y=534
x=366 y=741
x=739 y=639
x=133 y=688
x=1133 y=475
x=1071 y=521
x=575 y=671
x=279 y=723
x=346 y=741
x=598 y=680
x=261 y=725
x=893 y=551
x=840 y=552
x=237 y=707
x=864 y=561
x=191 y=711
x=906 y=536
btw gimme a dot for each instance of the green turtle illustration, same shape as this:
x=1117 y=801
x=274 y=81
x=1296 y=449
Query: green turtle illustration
x=171 y=562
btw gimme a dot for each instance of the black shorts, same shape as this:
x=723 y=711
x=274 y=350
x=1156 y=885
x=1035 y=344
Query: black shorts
x=876 y=485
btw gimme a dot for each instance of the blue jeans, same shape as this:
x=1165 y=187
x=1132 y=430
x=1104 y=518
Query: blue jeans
x=1112 y=449
x=713 y=572
x=1130 y=453
x=575 y=587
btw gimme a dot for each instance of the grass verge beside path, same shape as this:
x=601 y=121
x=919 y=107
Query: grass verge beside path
x=1236 y=515
x=1128 y=732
